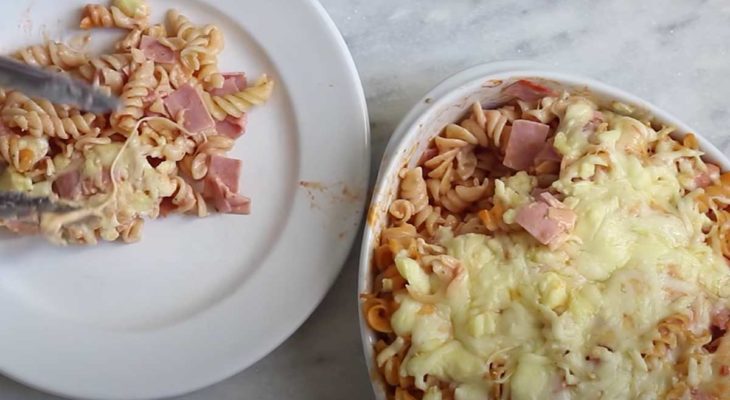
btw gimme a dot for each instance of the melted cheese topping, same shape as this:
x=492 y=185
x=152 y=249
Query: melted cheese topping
x=572 y=322
x=138 y=189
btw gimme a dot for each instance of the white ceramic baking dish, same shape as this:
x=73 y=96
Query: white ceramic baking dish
x=448 y=102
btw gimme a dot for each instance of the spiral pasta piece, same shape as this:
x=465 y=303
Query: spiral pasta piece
x=133 y=95
x=208 y=73
x=132 y=231
x=51 y=54
x=196 y=44
x=22 y=153
x=376 y=314
x=199 y=166
x=401 y=210
x=180 y=26
x=543 y=113
x=428 y=220
x=186 y=200
x=130 y=41
x=164 y=86
x=413 y=189
x=216 y=145
x=117 y=62
x=497 y=128
x=460 y=197
x=42 y=118
x=99 y=16
x=237 y=104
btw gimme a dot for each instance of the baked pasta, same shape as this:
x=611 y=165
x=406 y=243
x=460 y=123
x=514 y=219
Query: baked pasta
x=554 y=248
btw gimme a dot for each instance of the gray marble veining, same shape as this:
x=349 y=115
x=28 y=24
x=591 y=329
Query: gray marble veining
x=673 y=53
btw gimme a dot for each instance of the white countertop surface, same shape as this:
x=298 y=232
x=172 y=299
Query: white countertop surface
x=675 y=54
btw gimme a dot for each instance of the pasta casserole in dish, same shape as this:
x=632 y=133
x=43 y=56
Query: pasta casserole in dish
x=553 y=247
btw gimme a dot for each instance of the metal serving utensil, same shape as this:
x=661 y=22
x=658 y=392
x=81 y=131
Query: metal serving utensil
x=18 y=205
x=57 y=88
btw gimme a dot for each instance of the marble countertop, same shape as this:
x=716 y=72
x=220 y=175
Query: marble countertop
x=674 y=54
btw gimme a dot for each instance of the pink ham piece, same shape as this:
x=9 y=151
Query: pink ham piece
x=221 y=185
x=232 y=127
x=534 y=218
x=564 y=216
x=428 y=154
x=228 y=170
x=526 y=140
x=546 y=219
x=232 y=82
x=225 y=200
x=156 y=51
x=68 y=185
x=705 y=178
x=548 y=198
x=188 y=101
x=528 y=90
x=547 y=153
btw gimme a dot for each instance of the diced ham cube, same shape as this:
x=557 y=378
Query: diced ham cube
x=526 y=140
x=536 y=192
x=546 y=219
x=232 y=127
x=705 y=178
x=547 y=153
x=221 y=186
x=225 y=200
x=528 y=90
x=68 y=185
x=228 y=170
x=233 y=82
x=548 y=198
x=565 y=217
x=156 y=51
x=187 y=100
x=534 y=218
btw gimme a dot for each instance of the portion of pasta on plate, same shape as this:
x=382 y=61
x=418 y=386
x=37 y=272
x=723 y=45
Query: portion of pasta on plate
x=552 y=248
x=163 y=152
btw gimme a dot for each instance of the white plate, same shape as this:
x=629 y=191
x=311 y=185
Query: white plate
x=198 y=300
x=448 y=102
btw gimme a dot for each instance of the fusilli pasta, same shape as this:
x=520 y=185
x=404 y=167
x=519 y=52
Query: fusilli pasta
x=99 y=16
x=161 y=152
x=238 y=103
